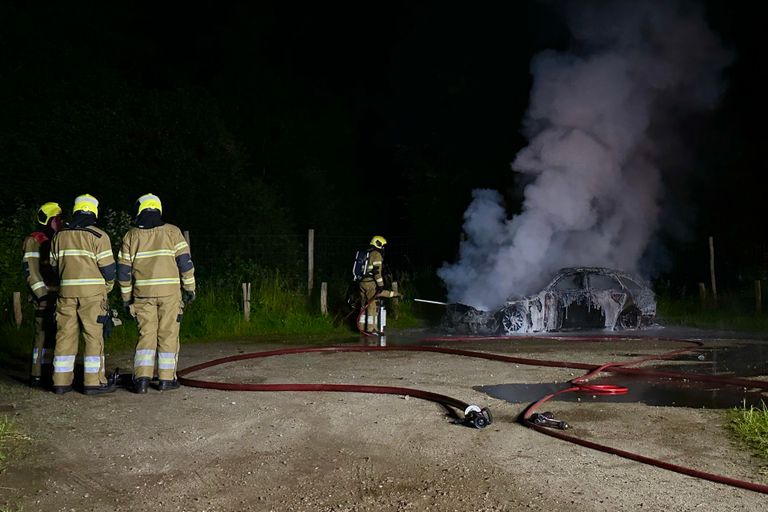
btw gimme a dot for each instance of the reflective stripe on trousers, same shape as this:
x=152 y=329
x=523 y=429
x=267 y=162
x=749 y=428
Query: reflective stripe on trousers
x=73 y=316
x=144 y=357
x=42 y=356
x=158 y=320
x=63 y=364
x=92 y=364
x=166 y=361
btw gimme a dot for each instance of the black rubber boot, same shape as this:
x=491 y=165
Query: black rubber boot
x=60 y=390
x=141 y=385
x=99 y=390
x=35 y=382
x=168 y=385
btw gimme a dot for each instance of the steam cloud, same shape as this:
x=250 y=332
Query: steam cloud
x=592 y=162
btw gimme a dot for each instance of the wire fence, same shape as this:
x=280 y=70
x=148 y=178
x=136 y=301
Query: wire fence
x=332 y=255
x=234 y=255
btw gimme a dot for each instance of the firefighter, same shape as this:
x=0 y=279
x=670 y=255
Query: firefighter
x=155 y=273
x=372 y=286
x=82 y=255
x=43 y=287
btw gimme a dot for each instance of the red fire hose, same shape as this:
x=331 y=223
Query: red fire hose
x=473 y=415
x=480 y=418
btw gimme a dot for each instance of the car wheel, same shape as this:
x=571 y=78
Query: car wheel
x=629 y=319
x=512 y=320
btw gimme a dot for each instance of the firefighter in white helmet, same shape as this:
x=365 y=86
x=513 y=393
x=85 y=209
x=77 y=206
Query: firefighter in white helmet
x=372 y=286
x=154 y=270
x=82 y=255
x=43 y=285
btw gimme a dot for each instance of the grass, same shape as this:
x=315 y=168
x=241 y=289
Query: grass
x=750 y=427
x=8 y=436
x=404 y=314
x=732 y=312
x=278 y=308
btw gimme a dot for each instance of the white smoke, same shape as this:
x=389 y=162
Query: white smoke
x=595 y=183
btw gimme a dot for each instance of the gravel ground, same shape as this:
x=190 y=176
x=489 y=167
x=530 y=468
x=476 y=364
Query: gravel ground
x=197 y=449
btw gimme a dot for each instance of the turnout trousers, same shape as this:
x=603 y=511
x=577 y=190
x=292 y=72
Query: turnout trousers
x=44 y=339
x=72 y=314
x=159 y=319
x=368 y=321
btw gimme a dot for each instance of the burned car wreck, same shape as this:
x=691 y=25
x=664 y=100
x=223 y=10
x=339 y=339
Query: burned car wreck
x=576 y=298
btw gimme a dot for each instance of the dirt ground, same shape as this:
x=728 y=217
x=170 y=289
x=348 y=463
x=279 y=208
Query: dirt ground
x=197 y=449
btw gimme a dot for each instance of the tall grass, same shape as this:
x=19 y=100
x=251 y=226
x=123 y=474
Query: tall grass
x=750 y=426
x=278 y=307
x=732 y=312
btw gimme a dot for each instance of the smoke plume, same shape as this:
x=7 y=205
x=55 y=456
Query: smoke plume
x=592 y=165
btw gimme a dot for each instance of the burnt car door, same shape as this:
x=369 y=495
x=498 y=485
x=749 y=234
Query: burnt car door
x=642 y=308
x=609 y=296
x=566 y=301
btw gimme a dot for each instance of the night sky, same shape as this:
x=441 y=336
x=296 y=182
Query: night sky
x=346 y=118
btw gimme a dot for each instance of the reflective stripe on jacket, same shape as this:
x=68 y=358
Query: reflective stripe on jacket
x=374 y=268
x=36 y=265
x=154 y=262
x=84 y=260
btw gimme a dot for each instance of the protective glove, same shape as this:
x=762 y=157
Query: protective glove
x=188 y=296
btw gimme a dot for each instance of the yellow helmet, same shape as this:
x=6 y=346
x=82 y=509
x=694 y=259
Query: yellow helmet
x=46 y=212
x=148 y=202
x=378 y=241
x=86 y=203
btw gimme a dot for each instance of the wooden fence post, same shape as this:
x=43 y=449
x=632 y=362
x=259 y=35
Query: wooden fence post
x=702 y=293
x=712 y=268
x=324 y=298
x=247 y=301
x=310 y=261
x=186 y=237
x=395 y=302
x=758 y=296
x=17 y=309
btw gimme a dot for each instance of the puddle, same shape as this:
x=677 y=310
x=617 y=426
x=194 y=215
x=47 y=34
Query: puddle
x=655 y=392
x=743 y=360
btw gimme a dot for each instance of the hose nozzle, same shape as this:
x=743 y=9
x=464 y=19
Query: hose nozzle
x=547 y=419
x=477 y=417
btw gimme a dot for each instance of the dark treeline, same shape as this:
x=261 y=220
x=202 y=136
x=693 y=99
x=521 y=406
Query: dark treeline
x=273 y=117
x=266 y=117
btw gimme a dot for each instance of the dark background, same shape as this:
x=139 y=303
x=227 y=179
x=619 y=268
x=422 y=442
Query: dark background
x=268 y=118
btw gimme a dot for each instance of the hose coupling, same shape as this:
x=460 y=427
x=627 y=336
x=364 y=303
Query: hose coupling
x=547 y=419
x=476 y=417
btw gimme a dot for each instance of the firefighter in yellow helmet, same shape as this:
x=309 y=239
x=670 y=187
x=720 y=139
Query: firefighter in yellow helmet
x=154 y=270
x=82 y=255
x=43 y=285
x=372 y=286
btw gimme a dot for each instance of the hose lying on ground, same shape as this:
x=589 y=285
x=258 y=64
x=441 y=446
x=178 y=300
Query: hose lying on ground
x=480 y=418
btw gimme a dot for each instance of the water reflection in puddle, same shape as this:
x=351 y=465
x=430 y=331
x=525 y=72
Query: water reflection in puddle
x=744 y=360
x=737 y=358
x=659 y=392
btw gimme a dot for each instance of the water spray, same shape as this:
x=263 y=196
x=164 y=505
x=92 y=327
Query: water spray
x=431 y=302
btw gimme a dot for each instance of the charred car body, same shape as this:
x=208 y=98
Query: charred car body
x=584 y=297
